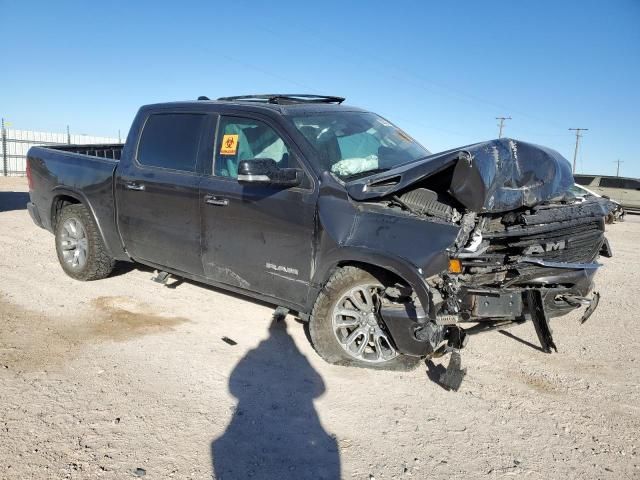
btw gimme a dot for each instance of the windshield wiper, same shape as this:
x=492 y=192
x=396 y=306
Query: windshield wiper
x=366 y=173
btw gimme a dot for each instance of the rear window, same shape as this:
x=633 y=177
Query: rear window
x=171 y=141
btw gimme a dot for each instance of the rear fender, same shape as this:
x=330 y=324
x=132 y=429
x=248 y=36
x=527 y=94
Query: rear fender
x=81 y=198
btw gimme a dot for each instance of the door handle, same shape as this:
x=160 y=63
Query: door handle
x=134 y=186
x=218 y=201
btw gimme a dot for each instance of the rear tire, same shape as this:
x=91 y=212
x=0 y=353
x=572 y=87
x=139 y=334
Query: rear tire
x=81 y=251
x=330 y=339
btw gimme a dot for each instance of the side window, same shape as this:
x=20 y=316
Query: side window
x=583 y=179
x=631 y=184
x=245 y=139
x=170 y=140
x=612 y=182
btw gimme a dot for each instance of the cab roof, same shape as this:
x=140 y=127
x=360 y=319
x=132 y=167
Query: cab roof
x=285 y=104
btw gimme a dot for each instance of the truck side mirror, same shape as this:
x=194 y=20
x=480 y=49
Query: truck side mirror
x=266 y=171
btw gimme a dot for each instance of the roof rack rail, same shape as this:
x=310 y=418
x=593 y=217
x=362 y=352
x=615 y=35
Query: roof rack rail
x=285 y=98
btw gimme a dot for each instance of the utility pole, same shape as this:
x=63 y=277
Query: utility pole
x=618 y=167
x=575 y=152
x=501 y=125
x=68 y=136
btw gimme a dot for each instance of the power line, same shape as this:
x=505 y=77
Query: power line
x=578 y=137
x=618 y=167
x=351 y=54
x=501 y=125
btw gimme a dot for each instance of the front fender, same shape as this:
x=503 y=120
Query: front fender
x=412 y=247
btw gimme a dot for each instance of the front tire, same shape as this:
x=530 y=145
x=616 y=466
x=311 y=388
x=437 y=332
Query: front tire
x=81 y=251
x=346 y=329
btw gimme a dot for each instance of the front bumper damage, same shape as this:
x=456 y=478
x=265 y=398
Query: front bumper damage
x=415 y=335
x=514 y=269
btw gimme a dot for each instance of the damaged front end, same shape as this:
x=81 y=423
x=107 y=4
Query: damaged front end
x=533 y=264
x=526 y=249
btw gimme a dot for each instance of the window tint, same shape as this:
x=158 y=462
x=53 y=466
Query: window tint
x=171 y=141
x=583 y=179
x=245 y=139
x=612 y=182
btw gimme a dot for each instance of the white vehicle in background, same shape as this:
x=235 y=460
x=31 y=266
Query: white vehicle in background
x=626 y=190
x=582 y=192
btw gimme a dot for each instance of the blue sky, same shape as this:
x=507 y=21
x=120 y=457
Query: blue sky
x=441 y=70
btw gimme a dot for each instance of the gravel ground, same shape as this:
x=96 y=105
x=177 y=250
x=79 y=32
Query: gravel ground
x=124 y=378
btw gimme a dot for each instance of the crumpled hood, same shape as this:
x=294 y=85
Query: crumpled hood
x=494 y=176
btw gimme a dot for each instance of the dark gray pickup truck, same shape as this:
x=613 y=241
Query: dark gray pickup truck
x=390 y=252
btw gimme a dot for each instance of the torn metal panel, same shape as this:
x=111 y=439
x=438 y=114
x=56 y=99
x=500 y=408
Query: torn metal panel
x=504 y=174
x=593 y=304
x=540 y=320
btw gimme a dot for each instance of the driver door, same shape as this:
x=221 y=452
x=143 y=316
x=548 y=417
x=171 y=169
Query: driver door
x=254 y=236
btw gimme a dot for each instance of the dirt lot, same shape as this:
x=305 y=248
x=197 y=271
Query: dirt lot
x=124 y=377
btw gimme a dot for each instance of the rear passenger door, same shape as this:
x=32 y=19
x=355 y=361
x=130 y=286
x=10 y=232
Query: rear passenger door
x=157 y=191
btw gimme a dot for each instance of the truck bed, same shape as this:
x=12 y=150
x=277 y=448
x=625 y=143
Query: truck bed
x=111 y=151
x=76 y=173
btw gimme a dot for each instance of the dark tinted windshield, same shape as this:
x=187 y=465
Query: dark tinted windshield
x=351 y=144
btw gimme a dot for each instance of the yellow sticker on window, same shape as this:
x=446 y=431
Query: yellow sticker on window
x=229 y=145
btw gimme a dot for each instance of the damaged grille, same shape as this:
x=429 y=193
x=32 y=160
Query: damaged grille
x=569 y=237
x=579 y=243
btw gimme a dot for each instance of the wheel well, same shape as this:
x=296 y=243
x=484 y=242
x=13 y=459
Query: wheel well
x=58 y=204
x=375 y=270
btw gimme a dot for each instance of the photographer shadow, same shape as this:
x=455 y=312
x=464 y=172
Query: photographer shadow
x=275 y=431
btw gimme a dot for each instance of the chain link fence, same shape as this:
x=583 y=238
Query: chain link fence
x=15 y=144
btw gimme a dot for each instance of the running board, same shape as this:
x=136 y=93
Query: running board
x=280 y=313
x=161 y=277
